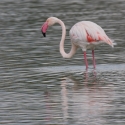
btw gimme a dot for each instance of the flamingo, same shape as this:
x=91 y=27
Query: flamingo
x=84 y=34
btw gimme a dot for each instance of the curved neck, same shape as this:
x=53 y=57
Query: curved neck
x=62 y=51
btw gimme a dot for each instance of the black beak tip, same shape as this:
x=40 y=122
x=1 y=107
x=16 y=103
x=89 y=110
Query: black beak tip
x=44 y=34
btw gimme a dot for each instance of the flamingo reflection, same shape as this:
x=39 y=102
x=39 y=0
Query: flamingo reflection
x=85 y=102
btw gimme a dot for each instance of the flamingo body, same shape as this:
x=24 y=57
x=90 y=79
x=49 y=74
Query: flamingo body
x=84 y=34
x=87 y=35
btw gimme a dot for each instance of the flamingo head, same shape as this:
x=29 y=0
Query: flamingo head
x=49 y=22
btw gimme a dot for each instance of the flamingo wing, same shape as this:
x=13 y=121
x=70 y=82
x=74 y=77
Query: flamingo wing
x=89 y=32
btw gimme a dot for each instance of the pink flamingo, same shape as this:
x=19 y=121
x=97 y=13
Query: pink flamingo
x=84 y=34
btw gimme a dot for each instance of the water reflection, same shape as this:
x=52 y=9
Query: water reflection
x=48 y=110
x=85 y=102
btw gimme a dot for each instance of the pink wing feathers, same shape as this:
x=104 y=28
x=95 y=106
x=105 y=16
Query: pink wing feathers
x=90 y=32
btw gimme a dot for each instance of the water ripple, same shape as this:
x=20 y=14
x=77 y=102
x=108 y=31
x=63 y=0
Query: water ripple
x=38 y=86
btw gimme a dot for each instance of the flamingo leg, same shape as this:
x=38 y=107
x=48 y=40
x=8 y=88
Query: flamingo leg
x=94 y=64
x=85 y=58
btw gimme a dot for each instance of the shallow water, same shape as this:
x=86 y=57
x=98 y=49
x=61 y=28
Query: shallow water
x=38 y=86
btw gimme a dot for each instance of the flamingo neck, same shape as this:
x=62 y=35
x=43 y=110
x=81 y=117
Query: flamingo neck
x=62 y=51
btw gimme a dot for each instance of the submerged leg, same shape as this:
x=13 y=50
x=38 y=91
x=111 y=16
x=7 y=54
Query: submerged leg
x=93 y=58
x=86 y=62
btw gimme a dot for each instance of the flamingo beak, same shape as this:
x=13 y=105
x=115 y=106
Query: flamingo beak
x=44 y=34
x=44 y=28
